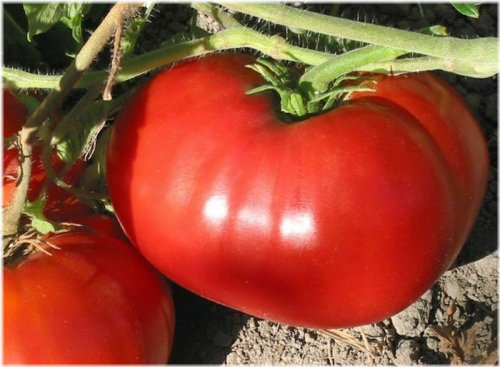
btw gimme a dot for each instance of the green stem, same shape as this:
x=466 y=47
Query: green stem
x=12 y=213
x=239 y=37
x=423 y=63
x=318 y=77
x=278 y=48
x=480 y=53
x=20 y=79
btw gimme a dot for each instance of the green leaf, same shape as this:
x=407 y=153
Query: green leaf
x=41 y=17
x=95 y=119
x=74 y=13
x=94 y=176
x=75 y=25
x=130 y=38
x=467 y=9
x=134 y=29
x=34 y=209
x=79 y=138
x=16 y=46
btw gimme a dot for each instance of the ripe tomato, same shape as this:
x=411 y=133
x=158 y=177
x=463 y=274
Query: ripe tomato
x=60 y=204
x=99 y=223
x=343 y=219
x=94 y=301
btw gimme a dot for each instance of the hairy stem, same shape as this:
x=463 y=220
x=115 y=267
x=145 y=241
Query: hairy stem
x=318 y=77
x=481 y=54
x=12 y=213
x=239 y=37
x=423 y=63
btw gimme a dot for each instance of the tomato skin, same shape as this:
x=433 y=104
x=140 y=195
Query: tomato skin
x=341 y=220
x=99 y=223
x=60 y=205
x=442 y=112
x=94 y=301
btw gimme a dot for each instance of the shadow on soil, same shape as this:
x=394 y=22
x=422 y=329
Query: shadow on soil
x=200 y=322
x=483 y=239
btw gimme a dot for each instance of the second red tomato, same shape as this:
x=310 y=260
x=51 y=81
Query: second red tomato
x=95 y=300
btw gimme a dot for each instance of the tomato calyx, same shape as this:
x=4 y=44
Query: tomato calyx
x=281 y=80
x=32 y=238
x=28 y=241
x=297 y=100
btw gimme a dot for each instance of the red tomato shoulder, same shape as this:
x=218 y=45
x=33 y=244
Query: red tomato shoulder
x=95 y=300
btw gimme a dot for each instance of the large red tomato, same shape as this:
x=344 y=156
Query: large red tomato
x=343 y=219
x=95 y=300
x=60 y=205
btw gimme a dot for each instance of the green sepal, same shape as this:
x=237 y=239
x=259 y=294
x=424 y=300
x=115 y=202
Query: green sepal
x=334 y=94
x=295 y=103
x=282 y=82
x=298 y=101
x=34 y=209
x=260 y=89
x=267 y=75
